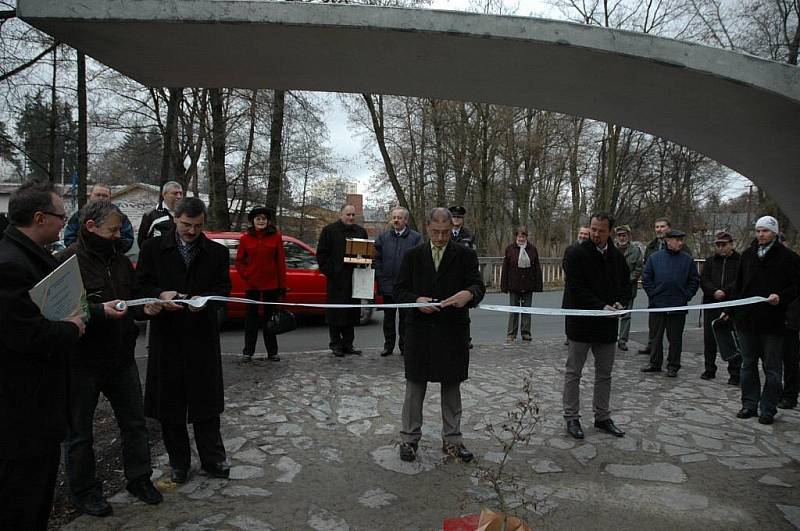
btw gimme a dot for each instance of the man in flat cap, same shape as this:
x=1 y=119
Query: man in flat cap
x=633 y=257
x=716 y=281
x=670 y=279
x=461 y=234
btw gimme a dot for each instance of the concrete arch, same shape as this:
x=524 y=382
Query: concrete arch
x=739 y=110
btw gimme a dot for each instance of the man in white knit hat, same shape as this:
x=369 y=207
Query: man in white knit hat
x=767 y=269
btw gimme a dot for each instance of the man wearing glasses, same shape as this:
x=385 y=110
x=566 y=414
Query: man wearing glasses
x=717 y=281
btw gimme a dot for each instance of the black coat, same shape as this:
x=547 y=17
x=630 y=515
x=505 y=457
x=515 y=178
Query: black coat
x=437 y=345
x=592 y=282
x=719 y=272
x=184 y=368
x=330 y=257
x=521 y=280
x=465 y=238
x=106 y=277
x=778 y=272
x=33 y=354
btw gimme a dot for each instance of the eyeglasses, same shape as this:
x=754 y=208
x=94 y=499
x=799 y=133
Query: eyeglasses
x=62 y=217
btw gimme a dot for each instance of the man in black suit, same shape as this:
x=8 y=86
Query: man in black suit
x=33 y=361
x=437 y=338
x=597 y=278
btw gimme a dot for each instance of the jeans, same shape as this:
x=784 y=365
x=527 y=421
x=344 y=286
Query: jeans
x=769 y=349
x=625 y=320
x=120 y=385
x=524 y=299
x=603 y=364
x=390 y=331
x=252 y=323
x=671 y=323
x=710 y=345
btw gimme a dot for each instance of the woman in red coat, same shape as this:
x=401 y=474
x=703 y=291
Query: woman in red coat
x=261 y=262
x=521 y=276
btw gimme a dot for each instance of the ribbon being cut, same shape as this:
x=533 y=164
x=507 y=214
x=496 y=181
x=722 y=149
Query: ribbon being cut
x=199 y=302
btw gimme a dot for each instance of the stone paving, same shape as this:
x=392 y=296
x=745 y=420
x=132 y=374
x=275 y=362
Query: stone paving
x=312 y=443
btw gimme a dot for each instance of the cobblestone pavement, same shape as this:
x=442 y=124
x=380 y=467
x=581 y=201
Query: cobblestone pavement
x=312 y=443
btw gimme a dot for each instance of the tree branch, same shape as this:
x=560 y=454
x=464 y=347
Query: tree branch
x=29 y=64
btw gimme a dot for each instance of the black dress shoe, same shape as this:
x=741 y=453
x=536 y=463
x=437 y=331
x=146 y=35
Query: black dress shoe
x=143 y=489
x=745 y=413
x=273 y=357
x=387 y=352
x=458 y=451
x=574 y=428
x=708 y=375
x=787 y=403
x=766 y=419
x=672 y=373
x=179 y=475
x=623 y=346
x=217 y=470
x=643 y=351
x=408 y=452
x=352 y=351
x=94 y=505
x=650 y=368
x=608 y=426
x=339 y=353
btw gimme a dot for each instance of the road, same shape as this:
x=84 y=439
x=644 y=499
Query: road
x=487 y=327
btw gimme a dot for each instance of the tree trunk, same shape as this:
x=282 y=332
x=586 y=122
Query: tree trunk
x=575 y=178
x=275 y=145
x=53 y=121
x=83 y=147
x=170 y=134
x=218 y=185
x=247 y=156
x=376 y=114
x=441 y=156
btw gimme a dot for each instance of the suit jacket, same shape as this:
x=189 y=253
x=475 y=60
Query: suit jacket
x=437 y=344
x=33 y=354
x=592 y=281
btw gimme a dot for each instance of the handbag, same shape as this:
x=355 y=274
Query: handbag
x=280 y=322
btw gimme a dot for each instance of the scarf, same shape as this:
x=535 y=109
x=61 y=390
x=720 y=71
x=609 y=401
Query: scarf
x=524 y=260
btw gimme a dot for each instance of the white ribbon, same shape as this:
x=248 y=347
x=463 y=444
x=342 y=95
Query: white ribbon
x=199 y=302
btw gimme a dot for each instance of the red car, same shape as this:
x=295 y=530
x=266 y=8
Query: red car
x=305 y=282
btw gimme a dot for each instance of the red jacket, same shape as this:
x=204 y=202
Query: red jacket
x=261 y=260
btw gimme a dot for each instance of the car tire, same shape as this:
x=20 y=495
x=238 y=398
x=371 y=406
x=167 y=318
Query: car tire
x=366 y=316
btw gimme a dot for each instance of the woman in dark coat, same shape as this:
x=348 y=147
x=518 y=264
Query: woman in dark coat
x=261 y=263
x=330 y=257
x=184 y=368
x=521 y=276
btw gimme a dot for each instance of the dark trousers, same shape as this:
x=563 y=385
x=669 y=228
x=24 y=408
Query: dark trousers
x=710 y=345
x=390 y=331
x=769 y=349
x=672 y=324
x=121 y=386
x=26 y=490
x=791 y=362
x=207 y=439
x=252 y=322
x=341 y=337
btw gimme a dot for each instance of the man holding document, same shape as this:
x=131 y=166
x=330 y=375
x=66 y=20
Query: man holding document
x=184 y=368
x=33 y=367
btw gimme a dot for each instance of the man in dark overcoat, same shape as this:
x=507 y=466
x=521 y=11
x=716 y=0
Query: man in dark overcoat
x=330 y=257
x=33 y=361
x=184 y=369
x=597 y=278
x=437 y=338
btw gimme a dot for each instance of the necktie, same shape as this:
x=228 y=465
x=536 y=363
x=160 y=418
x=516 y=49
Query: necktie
x=437 y=257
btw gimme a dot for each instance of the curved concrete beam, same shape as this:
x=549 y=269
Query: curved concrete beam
x=739 y=110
